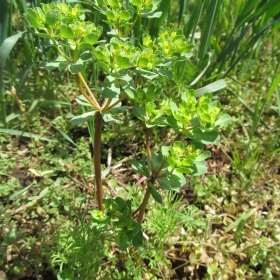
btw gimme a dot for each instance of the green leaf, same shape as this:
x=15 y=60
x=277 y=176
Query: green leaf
x=53 y=64
x=66 y=32
x=157 y=160
x=123 y=62
x=140 y=167
x=86 y=56
x=139 y=112
x=152 y=15
x=222 y=121
x=104 y=66
x=68 y=138
x=33 y=19
x=109 y=117
x=101 y=53
x=203 y=156
x=83 y=101
x=76 y=67
x=238 y=232
x=204 y=137
x=165 y=73
x=122 y=240
x=143 y=62
x=84 y=46
x=122 y=75
x=91 y=38
x=198 y=168
x=124 y=15
x=157 y=197
x=110 y=15
x=137 y=3
x=111 y=88
x=51 y=18
x=173 y=181
x=122 y=206
x=98 y=215
x=147 y=74
x=137 y=239
x=82 y=118
x=4 y=187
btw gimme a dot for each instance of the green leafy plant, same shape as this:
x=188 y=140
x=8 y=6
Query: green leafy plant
x=132 y=65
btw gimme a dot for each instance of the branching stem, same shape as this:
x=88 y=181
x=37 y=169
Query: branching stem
x=84 y=93
x=61 y=52
x=80 y=76
x=115 y=103
x=131 y=26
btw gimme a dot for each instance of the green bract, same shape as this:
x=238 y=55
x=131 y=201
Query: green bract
x=183 y=158
x=62 y=21
x=171 y=42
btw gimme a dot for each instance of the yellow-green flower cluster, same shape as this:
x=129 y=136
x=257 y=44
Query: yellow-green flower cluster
x=171 y=42
x=61 y=20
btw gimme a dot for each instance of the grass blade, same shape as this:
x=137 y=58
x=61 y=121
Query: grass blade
x=183 y=4
x=213 y=87
x=192 y=23
x=243 y=217
x=24 y=134
x=7 y=47
x=207 y=28
x=20 y=192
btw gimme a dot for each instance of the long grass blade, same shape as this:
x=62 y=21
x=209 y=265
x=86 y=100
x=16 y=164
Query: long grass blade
x=207 y=28
x=7 y=47
x=24 y=134
x=213 y=87
x=183 y=4
x=194 y=17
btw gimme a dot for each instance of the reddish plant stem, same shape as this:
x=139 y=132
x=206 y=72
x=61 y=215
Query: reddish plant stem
x=144 y=204
x=97 y=159
x=155 y=175
x=148 y=148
